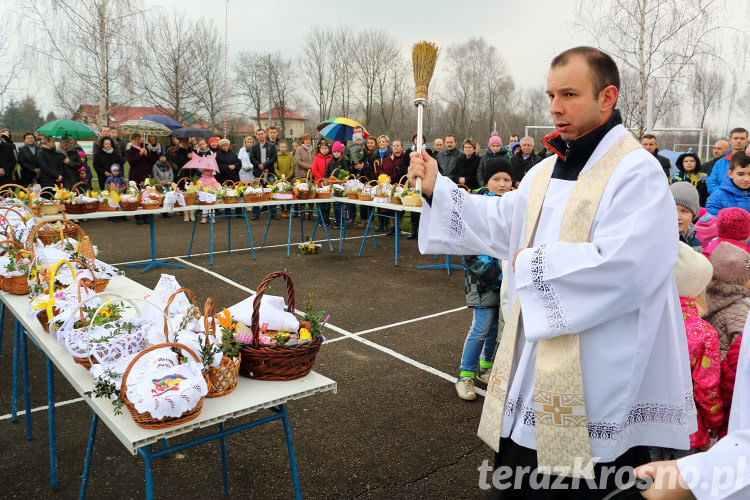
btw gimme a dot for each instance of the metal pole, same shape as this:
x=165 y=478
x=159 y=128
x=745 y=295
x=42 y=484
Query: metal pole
x=700 y=143
x=708 y=144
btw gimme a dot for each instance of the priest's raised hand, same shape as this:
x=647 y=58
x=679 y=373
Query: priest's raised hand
x=425 y=167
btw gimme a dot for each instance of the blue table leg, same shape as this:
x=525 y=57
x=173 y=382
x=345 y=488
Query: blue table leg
x=211 y=240
x=364 y=238
x=289 y=232
x=145 y=452
x=447 y=266
x=397 y=230
x=14 y=389
x=229 y=230
x=157 y=263
x=89 y=453
x=2 y=322
x=249 y=234
x=325 y=228
x=26 y=392
x=52 y=425
x=224 y=470
x=192 y=235
x=342 y=225
x=165 y=443
x=292 y=457
x=268 y=224
x=301 y=214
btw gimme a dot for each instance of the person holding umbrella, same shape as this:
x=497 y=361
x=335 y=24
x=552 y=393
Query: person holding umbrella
x=140 y=160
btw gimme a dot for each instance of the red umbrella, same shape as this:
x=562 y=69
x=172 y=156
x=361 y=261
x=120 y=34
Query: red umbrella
x=202 y=163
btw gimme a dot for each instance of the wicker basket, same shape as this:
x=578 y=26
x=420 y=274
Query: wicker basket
x=228 y=201
x=68 y=229
x=129 y=206
x=276 y=362
x=81 y=208
x=223 y=378
x=44 y=315
x=98 y=284
x=104 y=206
x=352 y=195
x=15 y=285
x=408 y=201
x=145 y=420
x=367 y=196
x=153 y=205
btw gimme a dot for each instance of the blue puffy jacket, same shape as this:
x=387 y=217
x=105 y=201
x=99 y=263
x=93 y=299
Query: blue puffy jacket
x=718 y=173
x=728 y=195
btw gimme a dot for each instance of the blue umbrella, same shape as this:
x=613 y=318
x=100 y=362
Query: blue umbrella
x=164 y=120
x=339 y=129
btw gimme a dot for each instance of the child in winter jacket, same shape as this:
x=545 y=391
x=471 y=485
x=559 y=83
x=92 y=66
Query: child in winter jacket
x=692 y=274
x=734 y=190
x=732 y=226
x=689 y=170
x=116 y=178
x=321 y=159
x=482 y=282
x=337 y=162
x=728 y=295
x=162 y=169
x=284 y=165
x=686 y=198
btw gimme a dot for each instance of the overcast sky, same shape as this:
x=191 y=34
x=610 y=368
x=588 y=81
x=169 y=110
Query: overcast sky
x=528 y=33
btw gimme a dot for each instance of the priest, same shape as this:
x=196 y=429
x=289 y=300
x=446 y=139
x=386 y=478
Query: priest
x=592 y=367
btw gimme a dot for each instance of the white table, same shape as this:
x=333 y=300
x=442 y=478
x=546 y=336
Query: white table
x=250 y=396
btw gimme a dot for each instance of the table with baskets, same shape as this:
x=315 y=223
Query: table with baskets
x=137 y=434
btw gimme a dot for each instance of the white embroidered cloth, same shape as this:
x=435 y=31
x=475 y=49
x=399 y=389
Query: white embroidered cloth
x=158 y=358
x=171 y=199
x=100 y=343
x=167 y=391
x=206 y=197
x=272 y=313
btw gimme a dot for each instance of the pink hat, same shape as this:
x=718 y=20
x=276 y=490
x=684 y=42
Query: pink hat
x=733 y=223
x=495 y=139
x=337 y=146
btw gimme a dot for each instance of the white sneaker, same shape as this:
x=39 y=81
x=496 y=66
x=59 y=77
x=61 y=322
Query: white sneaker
x=484 y=376
x=465 y=389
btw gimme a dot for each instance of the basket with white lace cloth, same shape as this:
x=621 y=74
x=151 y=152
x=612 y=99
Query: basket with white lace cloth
x=103 y=335
x=220 y=370
x=167 y=395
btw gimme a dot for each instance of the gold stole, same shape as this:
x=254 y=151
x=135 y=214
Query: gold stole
x=560 y=421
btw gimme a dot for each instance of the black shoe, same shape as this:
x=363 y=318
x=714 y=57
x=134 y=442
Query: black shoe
x=138 y=220
x=276 y=216
x=253 y=217
x=391 y=232
x=164 y=216
x=413 y=236
x=335 y=225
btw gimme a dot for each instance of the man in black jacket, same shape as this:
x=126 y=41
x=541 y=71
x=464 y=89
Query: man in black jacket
x=524 y=160
x=7 y=162
x=50 y=163
x=262 y=154
x=721 y=148
x=27 y=159
x=649 y=144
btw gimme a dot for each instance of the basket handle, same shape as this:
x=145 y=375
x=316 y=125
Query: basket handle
x=308 y=176
x=259 y=295
x=464 y=186
x=190 y=295
x=53 y=274
x=209 y=310
x=75 y=187
x=8 y=188
x=123 y=386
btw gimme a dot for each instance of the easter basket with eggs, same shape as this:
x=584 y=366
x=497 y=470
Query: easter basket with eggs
x=278 y=355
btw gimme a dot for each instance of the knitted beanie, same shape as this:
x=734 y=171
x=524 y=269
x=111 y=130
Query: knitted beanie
x=495 y=165
x=686 y=196
x=337 y=146
x=733 y=224
x=692 y=273
x=495 y=139
x=731 y=263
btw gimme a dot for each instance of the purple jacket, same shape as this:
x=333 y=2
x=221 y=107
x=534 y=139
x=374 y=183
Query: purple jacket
x=140 y=165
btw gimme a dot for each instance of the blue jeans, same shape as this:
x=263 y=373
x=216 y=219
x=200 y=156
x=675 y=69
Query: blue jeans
x=256 y=211
x=481 y=339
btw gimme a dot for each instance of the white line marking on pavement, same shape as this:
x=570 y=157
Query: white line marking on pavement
x=245 y=249
x=346 y=333
x=42 y=408
x=400 y=323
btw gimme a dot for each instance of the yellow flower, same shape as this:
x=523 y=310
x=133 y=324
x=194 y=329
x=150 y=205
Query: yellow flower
x=304 y=334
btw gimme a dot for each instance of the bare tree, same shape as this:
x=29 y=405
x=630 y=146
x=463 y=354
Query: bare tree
x=316 y=69
x=464 y=87
x=392 y=91
x=375 y=49
x=343 y=50
x=208 y=89
x=167 y=67
x=92 y=41
x=708 y=90
x=658 y=40
x=252 y=82
x=10 y=64
x=281 y=78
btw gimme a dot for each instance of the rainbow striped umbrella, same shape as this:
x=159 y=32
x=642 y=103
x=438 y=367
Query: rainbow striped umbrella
x=340 y=129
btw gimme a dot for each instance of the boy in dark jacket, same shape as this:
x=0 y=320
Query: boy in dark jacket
x=482 y=282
